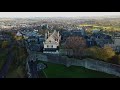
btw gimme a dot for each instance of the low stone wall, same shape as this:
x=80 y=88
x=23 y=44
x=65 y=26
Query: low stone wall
x=87 y=63
x=42 y=57
x=98 y=66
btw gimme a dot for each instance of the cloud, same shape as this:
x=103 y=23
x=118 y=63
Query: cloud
x=55 y=14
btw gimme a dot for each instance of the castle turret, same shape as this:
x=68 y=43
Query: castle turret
x=46 y=36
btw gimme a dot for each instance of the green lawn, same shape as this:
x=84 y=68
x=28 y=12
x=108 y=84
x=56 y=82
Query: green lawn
x=61 y=71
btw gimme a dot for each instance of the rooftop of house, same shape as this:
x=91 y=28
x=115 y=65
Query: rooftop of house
x=101 y=35
x=18 y=34
x=72 y=33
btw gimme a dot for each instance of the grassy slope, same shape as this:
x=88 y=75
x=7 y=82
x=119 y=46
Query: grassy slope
x=61 y=71
x=17 y=68
x=16 y=73
x=3 y=56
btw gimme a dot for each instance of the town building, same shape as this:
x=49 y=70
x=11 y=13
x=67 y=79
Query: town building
x=115 y=44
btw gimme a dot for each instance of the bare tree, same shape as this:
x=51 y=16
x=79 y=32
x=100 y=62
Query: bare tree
x=75 y=45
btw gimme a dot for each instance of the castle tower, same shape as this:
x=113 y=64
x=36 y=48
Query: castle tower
x=59 y=37
x=48 y=34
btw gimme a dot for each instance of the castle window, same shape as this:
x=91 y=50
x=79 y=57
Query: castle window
x=47 y=46
x=51 y=46
x=56 y=39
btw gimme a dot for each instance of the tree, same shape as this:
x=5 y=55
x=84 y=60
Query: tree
x=5 y=44
x=75 y=45
x=115 y=59
x=104 y=53
x=93 y=52
x=20 y=55
x=44 y=27
x=107 y=53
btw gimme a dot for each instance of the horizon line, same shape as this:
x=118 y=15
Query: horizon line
x=62 y=16
x=56 y=14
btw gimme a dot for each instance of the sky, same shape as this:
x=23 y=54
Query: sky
x=55 y=14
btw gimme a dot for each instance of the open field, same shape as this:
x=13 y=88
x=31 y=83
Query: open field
x=102 y=27
x=61 y=71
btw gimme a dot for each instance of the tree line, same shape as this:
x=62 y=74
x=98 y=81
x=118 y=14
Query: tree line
x=76 y=47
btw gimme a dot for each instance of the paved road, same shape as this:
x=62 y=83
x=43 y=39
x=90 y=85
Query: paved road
x=33 y=69
x=32 y=65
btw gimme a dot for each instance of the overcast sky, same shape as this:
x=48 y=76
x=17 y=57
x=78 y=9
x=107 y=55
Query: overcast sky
x=55 y=14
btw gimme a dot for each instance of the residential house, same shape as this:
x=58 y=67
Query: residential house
x=77 y=32
x=115 y=44
x=101 y=38
x=18 y=34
